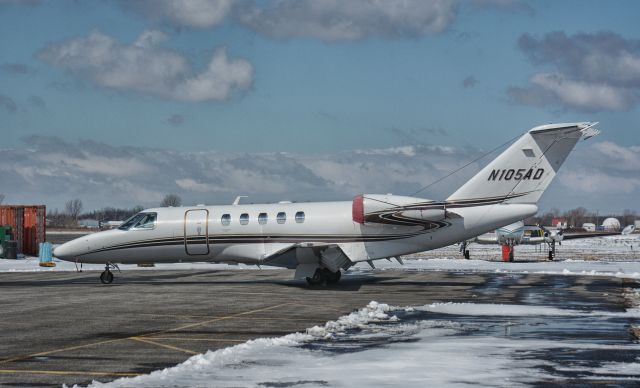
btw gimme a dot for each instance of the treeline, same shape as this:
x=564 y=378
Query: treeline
x=72 y=212
x=580 y=215
x=112 y=213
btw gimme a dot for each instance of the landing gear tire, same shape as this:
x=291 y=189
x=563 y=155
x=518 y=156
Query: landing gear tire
x=333 y=277
x=467 y=255
x=550 y=255
x=322 y=276
x=106 y=277
x=317 y=278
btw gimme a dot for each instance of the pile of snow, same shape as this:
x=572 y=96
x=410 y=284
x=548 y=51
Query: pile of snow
x=430 y=353
x=374 y=312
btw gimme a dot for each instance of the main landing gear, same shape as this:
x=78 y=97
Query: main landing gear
x=552 y=251
x=106 y=277
x=324 y=275
x=464 y=250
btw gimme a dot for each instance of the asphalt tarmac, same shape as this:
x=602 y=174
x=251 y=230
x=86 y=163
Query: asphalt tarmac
x=66 y=327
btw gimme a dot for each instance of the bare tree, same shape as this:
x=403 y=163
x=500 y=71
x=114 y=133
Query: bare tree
x=73 y=207
x=576 y=217
x=171 y=200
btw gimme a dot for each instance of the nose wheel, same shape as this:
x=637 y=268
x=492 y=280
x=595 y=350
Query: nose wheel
x=106 y=277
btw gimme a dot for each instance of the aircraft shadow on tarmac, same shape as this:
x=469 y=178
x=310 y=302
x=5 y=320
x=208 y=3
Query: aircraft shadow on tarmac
x=348 y=283
x=187 y=278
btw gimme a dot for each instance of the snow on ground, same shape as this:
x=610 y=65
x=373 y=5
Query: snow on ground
x=595 y=248
x=620 y=269
x=381 y=345
x=605 y=256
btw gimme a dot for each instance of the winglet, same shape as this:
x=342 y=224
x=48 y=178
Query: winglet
x=590 y=131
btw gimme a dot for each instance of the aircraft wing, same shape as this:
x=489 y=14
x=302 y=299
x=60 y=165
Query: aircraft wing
x=305 y=257
x=293 y=254
x=574 y=236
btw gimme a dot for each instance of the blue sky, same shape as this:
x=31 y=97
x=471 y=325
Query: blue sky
x=315 y=79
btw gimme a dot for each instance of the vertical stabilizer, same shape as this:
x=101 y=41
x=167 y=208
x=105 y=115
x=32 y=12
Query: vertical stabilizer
x=524 y=170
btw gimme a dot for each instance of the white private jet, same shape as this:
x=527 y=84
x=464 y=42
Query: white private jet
x=520 y=234
x=319 y=239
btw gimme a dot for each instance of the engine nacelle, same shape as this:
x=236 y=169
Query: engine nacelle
x=395 y=209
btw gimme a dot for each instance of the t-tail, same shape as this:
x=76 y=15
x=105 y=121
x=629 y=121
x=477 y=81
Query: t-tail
x=524 y=170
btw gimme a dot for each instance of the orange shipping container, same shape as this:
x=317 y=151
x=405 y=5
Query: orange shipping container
x=28 y=225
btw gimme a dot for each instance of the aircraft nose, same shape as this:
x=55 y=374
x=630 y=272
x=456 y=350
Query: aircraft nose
x=67 y=251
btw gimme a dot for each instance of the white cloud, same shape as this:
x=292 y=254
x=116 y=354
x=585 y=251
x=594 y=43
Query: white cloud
x=598 y=71
x=336 y=20
x=604 y=168
x=553 y=89
x=600 y=183
x=619 y=157
x=109 y=166
x=182 y=13
x=150 y=38
x=191 y=185
x=51 y=170
x=145 y=68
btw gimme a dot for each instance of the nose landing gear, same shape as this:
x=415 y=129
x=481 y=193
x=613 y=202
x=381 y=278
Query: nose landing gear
x=106 y=277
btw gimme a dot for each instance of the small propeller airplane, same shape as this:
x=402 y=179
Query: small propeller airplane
x=319 y=239
x=520 y=234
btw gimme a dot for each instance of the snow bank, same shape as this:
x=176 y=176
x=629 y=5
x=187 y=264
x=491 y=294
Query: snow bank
x=373 y=347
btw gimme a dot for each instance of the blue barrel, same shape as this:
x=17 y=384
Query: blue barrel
x=45 y=252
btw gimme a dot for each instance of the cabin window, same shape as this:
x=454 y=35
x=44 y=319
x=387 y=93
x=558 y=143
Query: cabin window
x=281 y=217
x=300 y=217
x=262 y=218
x=244 y=219
x=225 y=219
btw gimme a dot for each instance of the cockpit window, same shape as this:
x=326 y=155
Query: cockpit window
x=147 y=222
x=131 y=221
x=141 y=221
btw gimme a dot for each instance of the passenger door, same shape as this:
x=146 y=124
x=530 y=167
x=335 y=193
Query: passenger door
x=196 y=232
